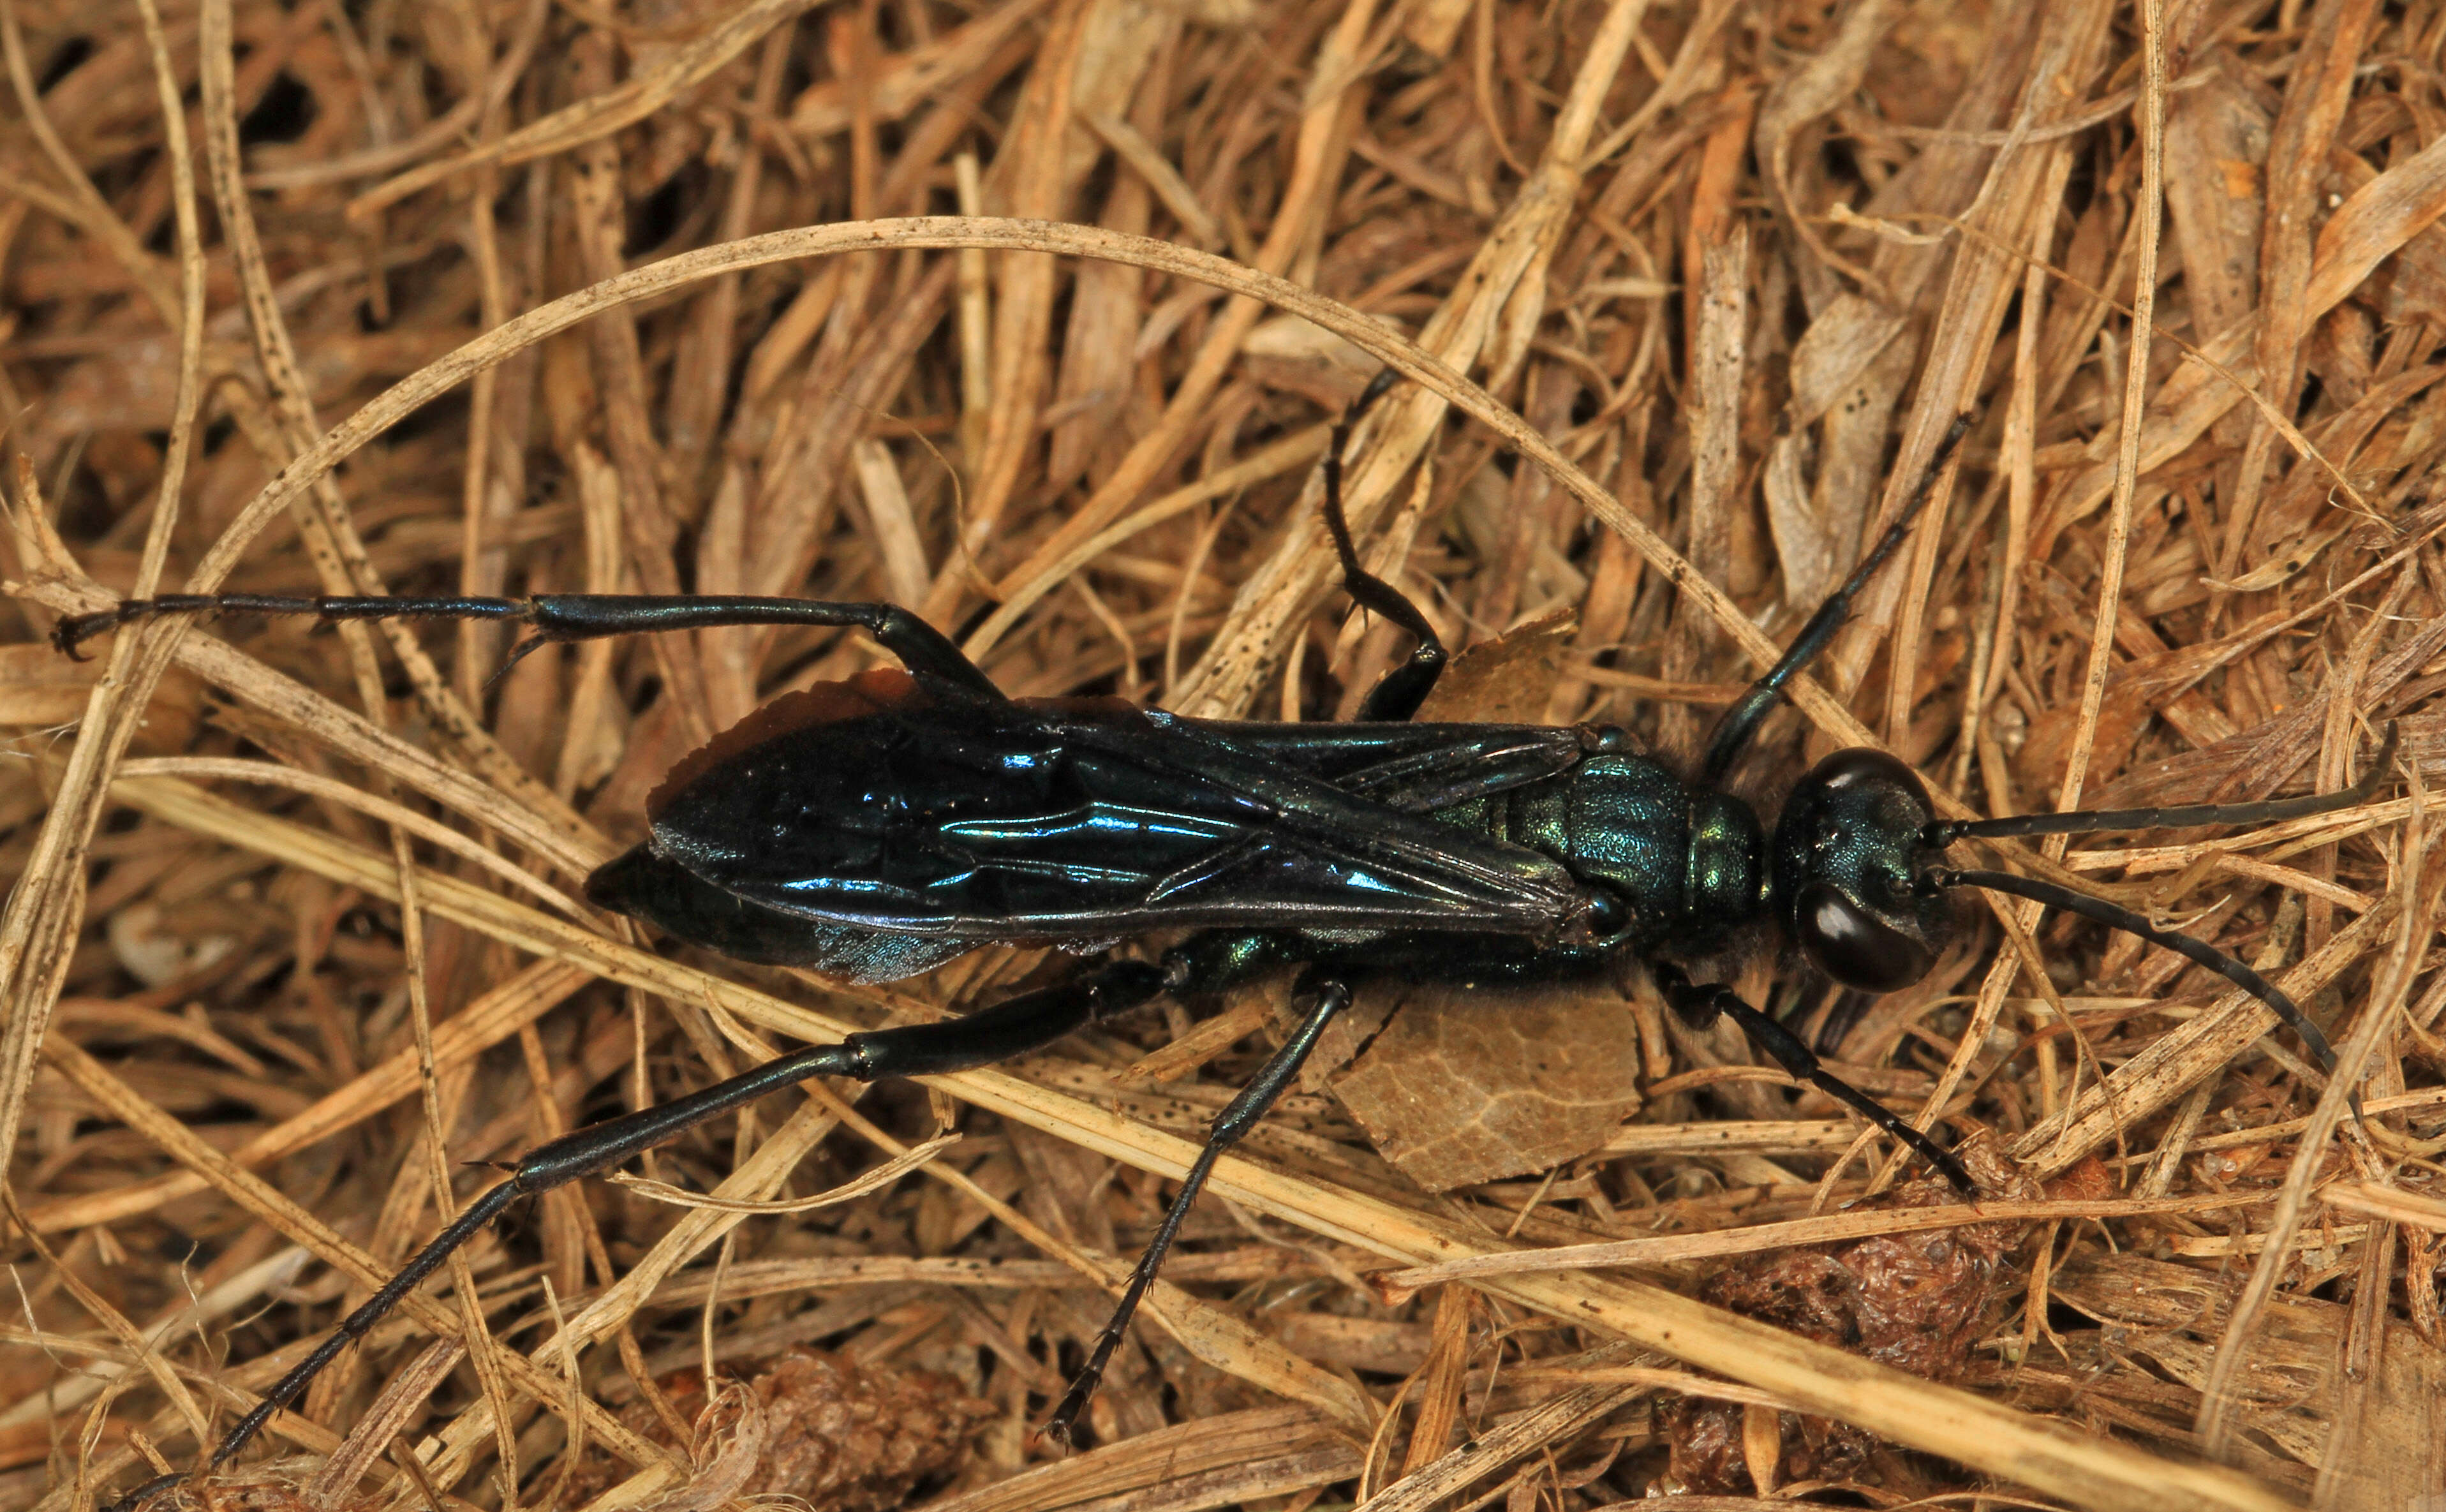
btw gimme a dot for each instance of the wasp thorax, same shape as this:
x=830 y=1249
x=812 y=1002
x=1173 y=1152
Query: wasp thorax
x=1844 y=856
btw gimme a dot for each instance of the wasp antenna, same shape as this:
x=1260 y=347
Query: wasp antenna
x=2086 y=821
x=2125 y=919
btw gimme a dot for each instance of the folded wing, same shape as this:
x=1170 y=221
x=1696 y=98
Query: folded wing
x=894 y=803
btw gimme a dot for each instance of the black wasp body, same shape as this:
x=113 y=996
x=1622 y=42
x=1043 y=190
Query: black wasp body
x=878 y=827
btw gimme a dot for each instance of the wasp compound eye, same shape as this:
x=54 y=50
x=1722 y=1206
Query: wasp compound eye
x=1854 y=946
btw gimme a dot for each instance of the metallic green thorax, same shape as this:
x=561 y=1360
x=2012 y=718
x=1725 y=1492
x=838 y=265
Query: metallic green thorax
x=1689 y=862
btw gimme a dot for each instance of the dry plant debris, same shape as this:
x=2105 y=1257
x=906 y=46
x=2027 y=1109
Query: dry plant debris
x=814 y=1428
x=620 y=293
x=1919 y=1302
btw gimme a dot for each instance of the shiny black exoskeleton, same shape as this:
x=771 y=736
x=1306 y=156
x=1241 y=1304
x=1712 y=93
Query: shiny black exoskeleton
x=881 y=826
x=878 y=828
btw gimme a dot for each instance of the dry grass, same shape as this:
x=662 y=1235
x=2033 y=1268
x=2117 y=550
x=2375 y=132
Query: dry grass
x=515 y=298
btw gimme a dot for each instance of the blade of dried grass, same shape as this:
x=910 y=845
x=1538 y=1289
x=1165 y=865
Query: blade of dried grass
x=1716 y=252
x=90 y=211
x=2316 y=97
x=481 y=565
x=1808 y=92
x=2286 y=1128
x=2019 y=188
x=1213 y=1334
x=875 y=1179
x=654 y=279
x=2243 y=387
x=1267 y=462
x=2021 y=919
x=2174 y=1062
x=1148 y=162
x=1318 y=150
x=403 y=1396
x=344 y=566
x=1023 y=309
x=2151 y=211
x=449 y=127
x=1439 y=1382
x=148 y=1356
x=332 y=789
x=238 y=1293
x=2374 y=223
x=1828 y=1229
x=1517 y=1437
x=1159 y=1461
x=751 y=1179
x=1467 y=327
x=1748 y=1136
x=480 y=1024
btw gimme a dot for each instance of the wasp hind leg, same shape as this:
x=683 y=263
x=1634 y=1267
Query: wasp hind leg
x=1014 y=1027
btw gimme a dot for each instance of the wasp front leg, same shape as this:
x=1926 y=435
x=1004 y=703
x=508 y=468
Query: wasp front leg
x=1700 y=1004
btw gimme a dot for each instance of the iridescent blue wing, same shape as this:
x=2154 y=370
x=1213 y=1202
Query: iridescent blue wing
x=894 y=803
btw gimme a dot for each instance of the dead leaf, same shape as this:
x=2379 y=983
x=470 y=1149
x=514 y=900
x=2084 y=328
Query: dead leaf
x=1504 y=681
x=1467 y=1083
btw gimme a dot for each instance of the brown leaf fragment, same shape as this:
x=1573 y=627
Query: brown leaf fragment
x=1468 y=1083
x=1505 y=681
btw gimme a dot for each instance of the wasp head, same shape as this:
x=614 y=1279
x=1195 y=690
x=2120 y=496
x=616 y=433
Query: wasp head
x=1845 y=857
